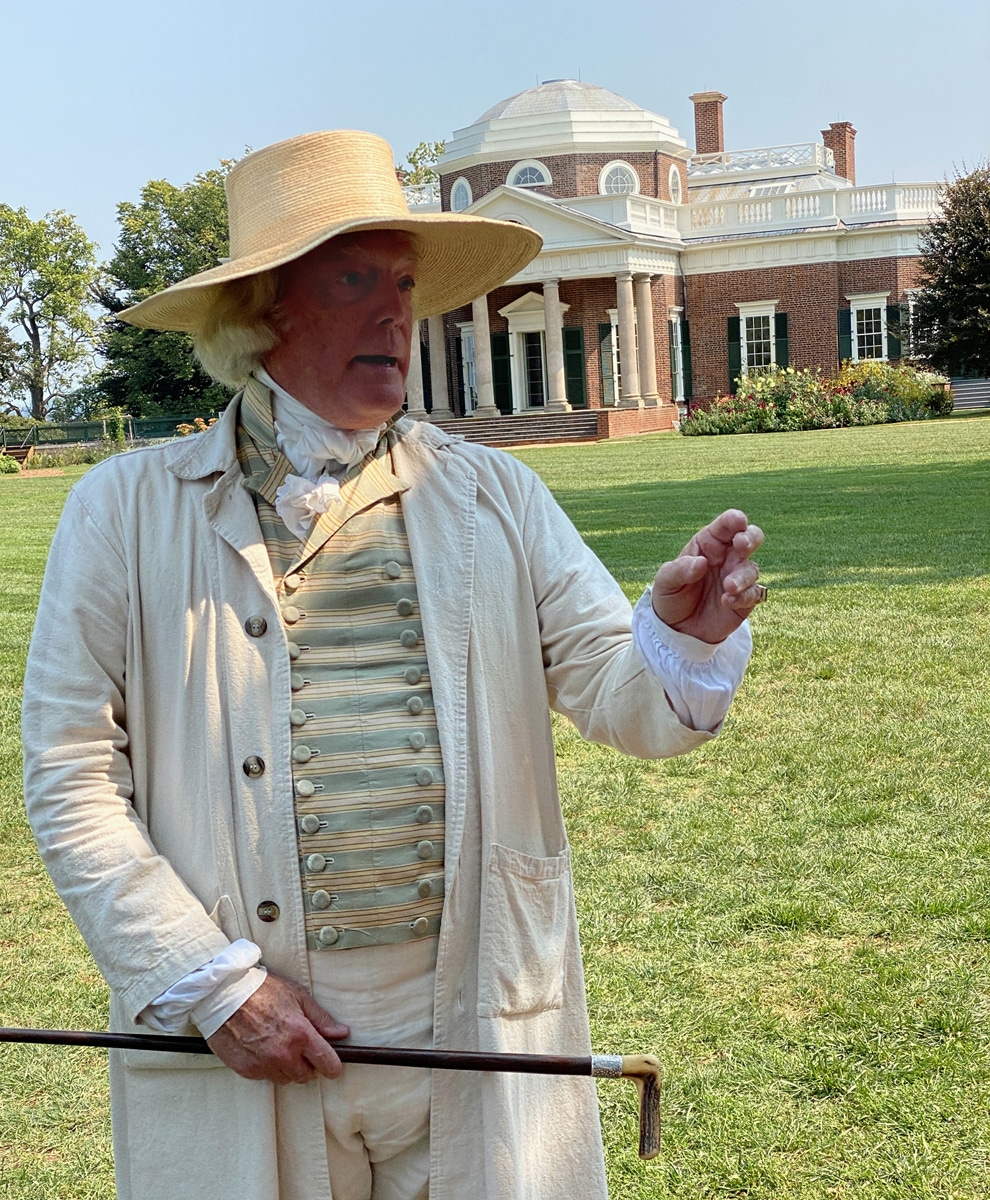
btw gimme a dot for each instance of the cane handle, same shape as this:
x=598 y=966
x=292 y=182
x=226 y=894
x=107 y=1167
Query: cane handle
x=644 y=1070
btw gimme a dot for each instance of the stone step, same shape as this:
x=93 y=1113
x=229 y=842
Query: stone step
x=971 y=393
x=526 y=429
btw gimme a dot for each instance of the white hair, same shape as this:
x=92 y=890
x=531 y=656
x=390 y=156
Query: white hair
x=239 y=328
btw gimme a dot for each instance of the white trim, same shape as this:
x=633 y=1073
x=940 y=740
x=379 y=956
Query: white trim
x=469 y=375
x=610 y=166
x=459 y=182
x=752 y=310
x=865 y=302
x=525 y=164
x=679 y=190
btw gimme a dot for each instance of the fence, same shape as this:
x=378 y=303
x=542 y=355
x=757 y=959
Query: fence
x=70 y=432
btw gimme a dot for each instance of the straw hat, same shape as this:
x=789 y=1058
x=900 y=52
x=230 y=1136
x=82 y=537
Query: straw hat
x=286 y=199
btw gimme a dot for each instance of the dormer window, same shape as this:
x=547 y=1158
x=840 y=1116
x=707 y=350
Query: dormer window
x=529 y=174
x=676 y=191
x=618 y=179
x=460 y=196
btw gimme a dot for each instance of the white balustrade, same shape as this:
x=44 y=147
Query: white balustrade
x=802 y=206
x=756 y=212
x=708 y=216
x=418 y=194
x=868 y=200
x=800 y=154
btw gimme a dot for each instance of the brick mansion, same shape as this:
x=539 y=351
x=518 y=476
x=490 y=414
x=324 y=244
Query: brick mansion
x=666 y=271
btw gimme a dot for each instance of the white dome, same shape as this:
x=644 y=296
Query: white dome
x=559 y=95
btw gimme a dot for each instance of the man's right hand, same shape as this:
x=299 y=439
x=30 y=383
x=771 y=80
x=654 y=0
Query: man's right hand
x=279 y=1034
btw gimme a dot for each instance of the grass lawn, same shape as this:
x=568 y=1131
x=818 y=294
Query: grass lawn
x=795 y=918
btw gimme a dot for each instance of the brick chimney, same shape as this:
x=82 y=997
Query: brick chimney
x=709 y=137
x=840 y=138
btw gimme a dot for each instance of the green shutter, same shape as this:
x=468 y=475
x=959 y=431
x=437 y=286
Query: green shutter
x=605 y=358
x=671 y=327
x=455 y=368
x=781 y=350
x=424 y=357
x=574 y=381
x=502 y=373
x=735 y=352
x=845 y=335
x=893 y=332
x=686 y=359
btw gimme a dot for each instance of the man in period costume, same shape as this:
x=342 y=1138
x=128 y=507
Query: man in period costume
x=288 y=755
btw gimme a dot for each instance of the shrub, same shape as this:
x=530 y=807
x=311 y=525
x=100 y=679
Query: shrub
x=8 y=465
x=74 y=455
x=184 y=429
x=865 y=393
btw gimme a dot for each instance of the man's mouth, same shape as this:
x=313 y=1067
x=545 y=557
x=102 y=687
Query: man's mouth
x=377 y=360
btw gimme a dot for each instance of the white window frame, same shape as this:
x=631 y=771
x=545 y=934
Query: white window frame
x=675 y=186
x=675 y=316
x=458 y=183
x=522 y=166
x=524 y=315
x=627 y=167
x=469 y=372
x=757 y=308
x=863 y=302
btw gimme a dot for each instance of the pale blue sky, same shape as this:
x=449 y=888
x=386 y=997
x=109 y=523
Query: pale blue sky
x=100 y=97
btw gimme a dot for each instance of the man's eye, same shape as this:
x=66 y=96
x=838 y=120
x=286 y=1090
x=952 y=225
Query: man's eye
x=351 y=278
x=407 y=283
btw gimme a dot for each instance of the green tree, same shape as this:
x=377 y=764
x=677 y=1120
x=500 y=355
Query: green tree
x=171 y=233
x=48 y=272
x=951 y=319
x=420 y=162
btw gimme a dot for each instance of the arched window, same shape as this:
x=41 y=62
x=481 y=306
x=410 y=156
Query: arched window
x=460 y=196
x=676 y=191
x=618 y=179
x=529 y=174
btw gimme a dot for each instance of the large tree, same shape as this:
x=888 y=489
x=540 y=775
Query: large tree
x=172 y=233
x=48 y=271
x=951 y=320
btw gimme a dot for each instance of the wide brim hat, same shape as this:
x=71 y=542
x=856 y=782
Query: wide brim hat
x=289 y=198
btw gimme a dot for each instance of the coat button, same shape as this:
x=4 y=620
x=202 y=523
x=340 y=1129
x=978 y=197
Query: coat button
x=254 y=767
x=296 y=681
x=417 y=740
x=425 y=888
x=301 y=754
x=415 y=705
x=291 y=614
x=305 y=787
x=268 y=910
x=293 y=581
x=424 y=850
x=424 y=777
x=294 y=650
x=297 y=716
x=316 y=862
x=420 y=926
x=405 y=607
x=409 y=638
x=413 y=674
x=310 y=823
x=321 y=900
x=256 y=626
x=327 y=935
x=424 y=814
x=393 y=570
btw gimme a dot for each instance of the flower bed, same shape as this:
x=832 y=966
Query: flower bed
x=864 y=393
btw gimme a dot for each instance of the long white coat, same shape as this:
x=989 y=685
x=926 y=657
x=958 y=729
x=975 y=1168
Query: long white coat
x=144 y=696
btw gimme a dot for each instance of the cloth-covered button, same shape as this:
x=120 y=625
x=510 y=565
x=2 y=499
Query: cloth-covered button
x=417 y=740
x=393 y=570
x=425 y=888
x=293 y=581
x=321 y=899
x=316 y=862
x=294 y=651
x=420 y=926
x=424 y=814
x=310 y=823
x=268 y=911
x=424 y=776
x=424 y=850
x=405 y=607
x=327 y=935
x=290 y=614
x=409 y=638
x=413 y=674
x=254 y=767
x=297 y=716
x=305 y=787
x=301 y=754
x=415 y=705
x=296 y=681
x=256 y=626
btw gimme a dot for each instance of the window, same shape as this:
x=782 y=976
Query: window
x=770 y=189
x=526 y=384
x=617 y=179
x=469 y=377
x=529 y=174
x=534 y=369
x=460 y=196
x=868 y=327
x=757 y=340
x=676 y=190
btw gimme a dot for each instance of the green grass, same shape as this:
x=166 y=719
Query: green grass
x=795 y=918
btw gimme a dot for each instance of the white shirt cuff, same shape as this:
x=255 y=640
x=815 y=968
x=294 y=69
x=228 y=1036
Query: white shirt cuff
x=210 y=994
x=699 y=678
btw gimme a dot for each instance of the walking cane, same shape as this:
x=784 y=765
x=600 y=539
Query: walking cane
x=643 y=1069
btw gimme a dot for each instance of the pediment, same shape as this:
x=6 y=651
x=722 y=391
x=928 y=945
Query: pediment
x=560 y=228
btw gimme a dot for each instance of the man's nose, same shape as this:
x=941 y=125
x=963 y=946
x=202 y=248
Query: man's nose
x=392 y=302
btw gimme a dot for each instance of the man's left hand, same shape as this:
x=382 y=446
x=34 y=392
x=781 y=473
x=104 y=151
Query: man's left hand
x=711 y=587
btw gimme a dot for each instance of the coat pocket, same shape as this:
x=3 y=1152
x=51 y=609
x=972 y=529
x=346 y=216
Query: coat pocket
x=525 y=918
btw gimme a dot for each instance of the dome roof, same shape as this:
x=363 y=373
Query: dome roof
x=559 y=95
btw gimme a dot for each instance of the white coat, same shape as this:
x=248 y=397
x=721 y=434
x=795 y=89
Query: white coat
x=144 y=696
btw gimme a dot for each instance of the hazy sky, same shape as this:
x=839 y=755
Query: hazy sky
x=101 y=97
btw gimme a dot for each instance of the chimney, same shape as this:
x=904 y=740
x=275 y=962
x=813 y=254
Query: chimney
x=840 y=138
x=709 y=137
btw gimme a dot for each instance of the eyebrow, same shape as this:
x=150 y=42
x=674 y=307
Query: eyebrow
x=360 y=254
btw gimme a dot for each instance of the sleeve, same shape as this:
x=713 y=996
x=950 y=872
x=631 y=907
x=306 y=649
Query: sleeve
x=143 y=925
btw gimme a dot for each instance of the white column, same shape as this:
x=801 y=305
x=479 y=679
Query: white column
x=415 y=396
x=438 y=371
x=628 y=366
x=483 y=360
x=557 y=398
x=647 y=342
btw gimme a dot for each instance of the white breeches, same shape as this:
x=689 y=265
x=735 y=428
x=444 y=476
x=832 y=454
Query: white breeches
x=377 y=1119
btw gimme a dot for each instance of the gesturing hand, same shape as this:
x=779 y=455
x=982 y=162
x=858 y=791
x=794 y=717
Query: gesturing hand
x=279 y=1034
x=710 y=588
